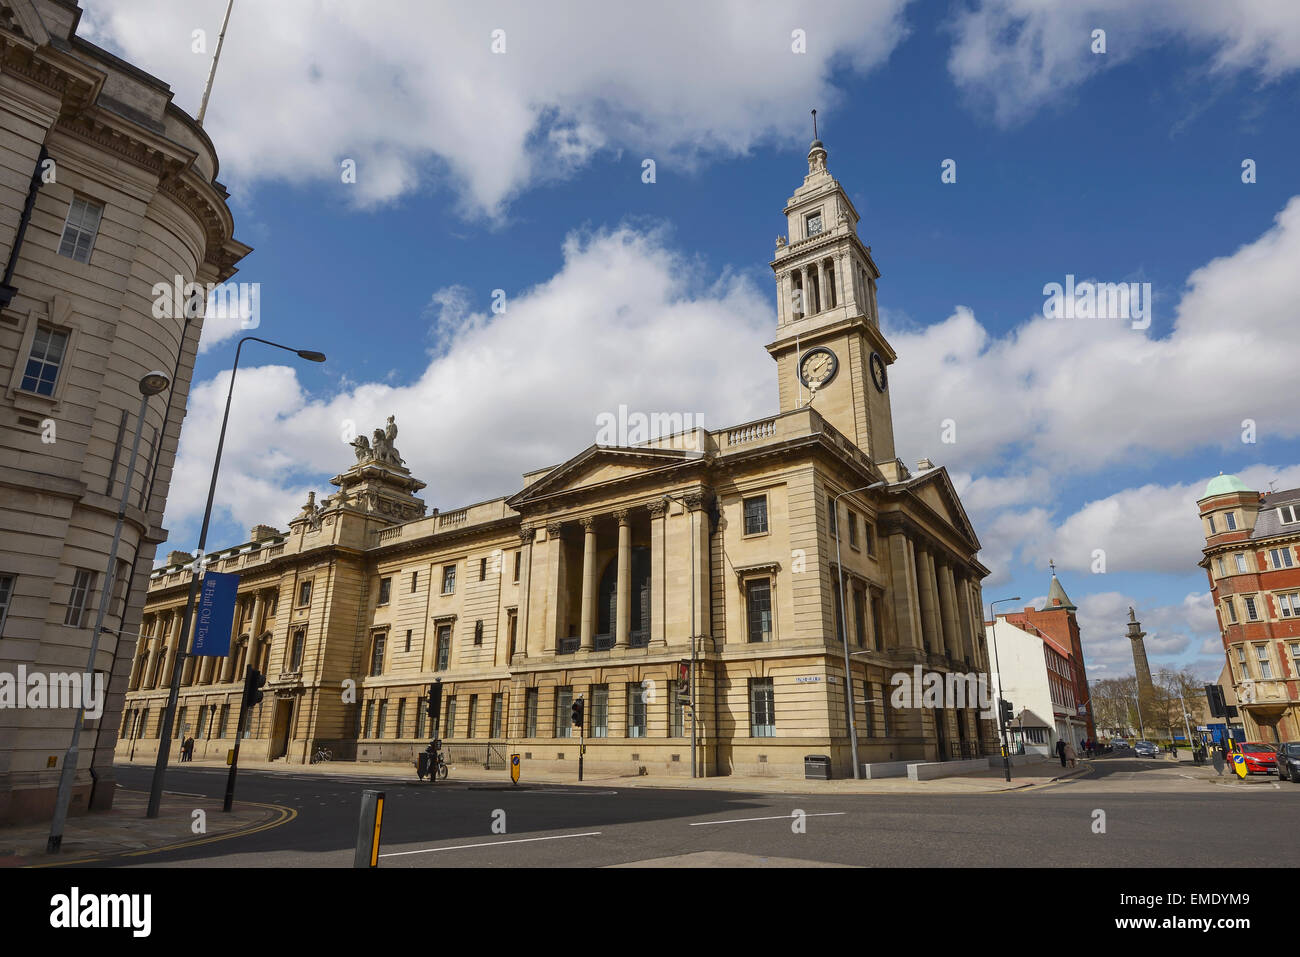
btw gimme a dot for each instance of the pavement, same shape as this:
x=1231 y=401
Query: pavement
x=126 y=831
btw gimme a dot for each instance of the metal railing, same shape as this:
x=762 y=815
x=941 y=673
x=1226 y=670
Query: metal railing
x=489 y=756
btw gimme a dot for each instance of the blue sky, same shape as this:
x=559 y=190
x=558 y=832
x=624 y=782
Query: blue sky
x=522 y=171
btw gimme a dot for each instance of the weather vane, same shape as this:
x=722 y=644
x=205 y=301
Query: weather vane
x=814 y=113
x=1051 y=563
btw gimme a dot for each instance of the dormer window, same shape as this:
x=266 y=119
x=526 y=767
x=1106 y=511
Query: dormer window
x=813 y=223
x=1288 y=514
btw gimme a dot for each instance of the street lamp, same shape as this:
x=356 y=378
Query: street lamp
x=844 y=623
x=694 y=714
x=169 y=713
x=1002 y=722
x=150 y=385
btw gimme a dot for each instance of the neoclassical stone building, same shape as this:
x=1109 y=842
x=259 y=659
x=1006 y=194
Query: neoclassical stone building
x=106 y=189
x=602 y=574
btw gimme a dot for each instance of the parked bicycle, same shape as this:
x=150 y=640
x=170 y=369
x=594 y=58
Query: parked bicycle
x=322 y=754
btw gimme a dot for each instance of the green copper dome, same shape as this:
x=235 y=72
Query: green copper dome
x=1224 y=485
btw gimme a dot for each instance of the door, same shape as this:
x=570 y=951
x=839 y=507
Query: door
x=281 y=728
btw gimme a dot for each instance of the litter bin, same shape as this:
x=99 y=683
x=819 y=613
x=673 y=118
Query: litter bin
x=422 y=765
x=817 y=767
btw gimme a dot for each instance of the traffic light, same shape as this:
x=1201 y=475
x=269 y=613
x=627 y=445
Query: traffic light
x=684 y=682
x=1004 y=710
x=577 y=713
x=433 y=703
x=253 y=682
x=1214 y=695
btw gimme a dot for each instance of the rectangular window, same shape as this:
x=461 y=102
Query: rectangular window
x=837 y=598
x=886 y=725
x=472 y=717
x=853 y=529
x=6 y=598
x=755 y=515
x=80 y=229
x=864 y=698
x=444 y=648
x=1212 y=528
x=1241 y=663
x=223 y=721
x=832 y=513
x=1231 y=521
x=383 y=718
x=676 y=710
x=478 y=631
x=370 y=719
x=295 y=654
x=304 y=594
x=415 y=581
x=563 y=712
x=449 y=725
x=530 y=713
x=512 y=623
x=203 y=718
x=1231 y=607
x=877 y=628
x=1241 y=562
x=1265 y=667
x=1288 y=514
x=159 y=730
x=482 y=569
x=1289 y=605
x=859 y=618
x=635 y=710
x=420 y=713
x=401 y=717
x=762 y=709
x=1281 y=557
x=83 y=583
x=1222 y=568
x=448 y=579
x=600 y=711
x=385 y=590
x=1251 y=612
x=498 y=705
x=1295 y=651
x=869 y=533
x=518 y=556
x=179 y=731
x=758 y=607
x=377 y=655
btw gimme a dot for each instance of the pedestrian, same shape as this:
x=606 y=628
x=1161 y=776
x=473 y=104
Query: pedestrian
x=188 y=750
x=1070 y=754
x=1060 y=750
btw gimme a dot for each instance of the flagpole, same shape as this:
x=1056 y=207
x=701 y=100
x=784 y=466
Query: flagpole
x=207 y=90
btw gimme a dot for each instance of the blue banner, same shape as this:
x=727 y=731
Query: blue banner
x=215 y=615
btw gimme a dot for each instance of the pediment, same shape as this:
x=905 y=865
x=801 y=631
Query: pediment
x=599 y=465
x=935 y=489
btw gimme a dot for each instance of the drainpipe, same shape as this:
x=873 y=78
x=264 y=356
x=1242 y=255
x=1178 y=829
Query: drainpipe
x=7 y=290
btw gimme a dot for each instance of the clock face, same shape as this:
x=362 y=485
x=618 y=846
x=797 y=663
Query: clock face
x=814 y=224
x=878 y=375
x=817 y=367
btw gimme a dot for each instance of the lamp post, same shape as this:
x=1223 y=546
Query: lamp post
x=150 y=385
x=178 y=660
x=1002 y=722
x=694 y=720
x=844 y=624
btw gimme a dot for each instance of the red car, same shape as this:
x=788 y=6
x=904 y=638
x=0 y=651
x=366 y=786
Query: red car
x=1261 y=758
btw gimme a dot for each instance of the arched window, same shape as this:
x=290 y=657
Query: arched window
x=796 y=294
x=830 y=284
x=814 y=291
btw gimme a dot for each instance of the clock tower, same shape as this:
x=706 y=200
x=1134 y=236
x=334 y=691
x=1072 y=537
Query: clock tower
x=828 y=348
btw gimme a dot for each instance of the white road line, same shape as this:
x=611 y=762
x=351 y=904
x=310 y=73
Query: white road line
x=779 y=817
x=461 y=847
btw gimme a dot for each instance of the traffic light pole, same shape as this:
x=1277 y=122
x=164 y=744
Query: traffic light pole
x=239 y=736
x=582 y=742
x=1002 y=720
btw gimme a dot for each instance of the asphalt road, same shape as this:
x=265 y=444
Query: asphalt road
x=1126 y=812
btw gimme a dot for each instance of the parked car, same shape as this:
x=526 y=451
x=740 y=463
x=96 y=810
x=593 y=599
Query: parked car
x=1145 y=749
x=1288 y=762
x=1260 y=758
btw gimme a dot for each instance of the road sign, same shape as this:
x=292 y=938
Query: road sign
x=514 y=768
x=215 y=615
x=1239 y=765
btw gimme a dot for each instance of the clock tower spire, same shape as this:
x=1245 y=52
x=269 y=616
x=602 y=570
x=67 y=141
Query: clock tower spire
x=829 y=350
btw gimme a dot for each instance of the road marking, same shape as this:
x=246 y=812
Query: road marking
x=779 y=817
x=461 y=847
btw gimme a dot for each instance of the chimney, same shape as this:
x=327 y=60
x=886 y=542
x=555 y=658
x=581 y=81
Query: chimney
x=260 y=533
x=179 y=558
x=924 y=465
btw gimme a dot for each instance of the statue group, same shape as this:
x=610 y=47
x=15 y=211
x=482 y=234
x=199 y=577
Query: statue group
x=380 y=448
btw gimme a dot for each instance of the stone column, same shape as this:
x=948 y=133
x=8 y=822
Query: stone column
x=228 y=663
x=152 y=644
x=898 y=550
x=966 y=626
x=948 y=612
x=526 y=535
x=555 y=584
x=658 y=572
x=926 y=595
x=698 y=520
x=588 y=626
x=623 y=606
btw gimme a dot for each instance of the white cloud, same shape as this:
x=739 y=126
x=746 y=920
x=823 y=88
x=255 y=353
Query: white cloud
x=1083 y=394
x=1175 y=634
x=411 y=89
x=625 y=321
x=1015 y=56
